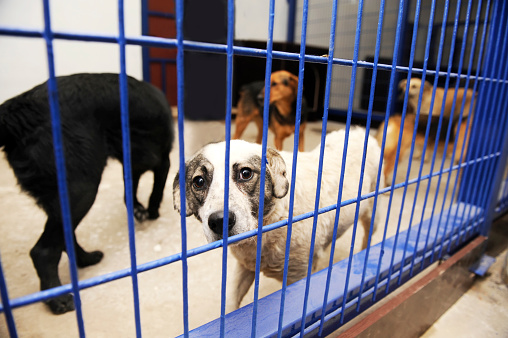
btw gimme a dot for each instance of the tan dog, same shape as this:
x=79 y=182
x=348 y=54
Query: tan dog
x=393 y=129
x=283 y=92
x=414 y=91
x=392 y=138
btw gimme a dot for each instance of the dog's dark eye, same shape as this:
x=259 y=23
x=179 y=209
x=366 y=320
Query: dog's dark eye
x=273 y=84
x=198 y=183
x=285 y=82
x=245 y=174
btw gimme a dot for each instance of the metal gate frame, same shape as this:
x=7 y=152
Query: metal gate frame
x=327 y=299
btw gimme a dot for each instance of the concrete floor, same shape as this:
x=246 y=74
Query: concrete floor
x=108 y=309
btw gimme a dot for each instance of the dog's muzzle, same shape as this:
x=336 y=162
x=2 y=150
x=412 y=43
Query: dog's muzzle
x=216 y=220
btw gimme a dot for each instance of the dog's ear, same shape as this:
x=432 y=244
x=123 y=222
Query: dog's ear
x=402 y=84
x=277 y=168
x=293 y=82
x=428 y=86
x=176 y=196
x=293 y=78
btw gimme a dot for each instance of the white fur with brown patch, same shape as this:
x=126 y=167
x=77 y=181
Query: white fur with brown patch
x=242 y=203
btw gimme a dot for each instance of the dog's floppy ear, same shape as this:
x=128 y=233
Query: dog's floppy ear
x=293 y=82
x=277 y=168
x=428 y=86
x=293 y=78
x=176 y=196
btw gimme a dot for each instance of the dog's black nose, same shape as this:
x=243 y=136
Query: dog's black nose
x=216 y=220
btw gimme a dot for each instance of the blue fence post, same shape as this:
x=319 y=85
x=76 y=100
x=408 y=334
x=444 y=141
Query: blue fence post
x=9 y=318
x=262 y=178
x=229 y=95
x=485 y=117
x=60 y=167
x=400 y=53
x=179 y=7
x=127 y=165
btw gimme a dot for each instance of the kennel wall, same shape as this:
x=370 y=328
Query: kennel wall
x=460 y=44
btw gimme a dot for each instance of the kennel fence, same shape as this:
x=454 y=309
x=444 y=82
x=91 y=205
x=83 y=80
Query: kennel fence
x=327 y=299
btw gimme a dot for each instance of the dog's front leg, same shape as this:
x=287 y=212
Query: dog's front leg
x=160 y=174
x=242 y=282
x=45 y=256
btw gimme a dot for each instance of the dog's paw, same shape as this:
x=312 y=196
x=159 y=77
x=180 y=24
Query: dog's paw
x=153 y=214
x=90 y=258
x=61 y=304
x=140 y=213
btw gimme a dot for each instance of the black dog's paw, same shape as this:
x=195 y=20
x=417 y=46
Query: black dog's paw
x=153 y=214
x=90 y=258
x=140 y=213
x=61 y=304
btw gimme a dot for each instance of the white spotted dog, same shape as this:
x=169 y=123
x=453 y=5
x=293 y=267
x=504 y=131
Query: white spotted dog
x=204 y=179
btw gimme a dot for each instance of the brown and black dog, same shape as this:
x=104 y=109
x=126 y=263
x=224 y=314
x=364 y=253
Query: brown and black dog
x=282 y=110
x=394 y=123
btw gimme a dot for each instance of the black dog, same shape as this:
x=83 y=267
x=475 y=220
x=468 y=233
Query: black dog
x=90 y=117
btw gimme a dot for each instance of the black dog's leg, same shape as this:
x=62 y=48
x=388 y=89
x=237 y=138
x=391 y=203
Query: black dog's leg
x=84 y=258
x=48 y=250
x=46 y=255
x=140 y=213
x=160 y=175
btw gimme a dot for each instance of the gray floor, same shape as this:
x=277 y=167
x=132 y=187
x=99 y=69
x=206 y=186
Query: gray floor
x=108 y=309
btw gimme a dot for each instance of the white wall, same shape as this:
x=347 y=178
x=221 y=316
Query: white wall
x=252 y=20
x=23 y=60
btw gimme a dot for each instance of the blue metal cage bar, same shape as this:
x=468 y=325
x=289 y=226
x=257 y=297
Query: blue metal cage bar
x=346 y=294
x=295 y=159
x=60 y=167
x=229 y=95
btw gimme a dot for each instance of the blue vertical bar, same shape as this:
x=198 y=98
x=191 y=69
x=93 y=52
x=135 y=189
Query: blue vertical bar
x=404 y=111
x=497 y=167
x=387 y=115
x=301 y=67
x=402 y=32
x=447 y=83
x=4 y=294
x=352 y=86
x=461 y=61
x=492 y=199
x=468 y=119
x=417 y=118
x=470 y=178
x=470 y=113
x=180 y=102
x=329 y=70
x=225 y=227
x=486 y=190
x=371 y=103
x=60 y=167
x=484 y=108
x=492 y=120
x=126 y=147
x=266 y=103
x=145 y=22
x=432 y=101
